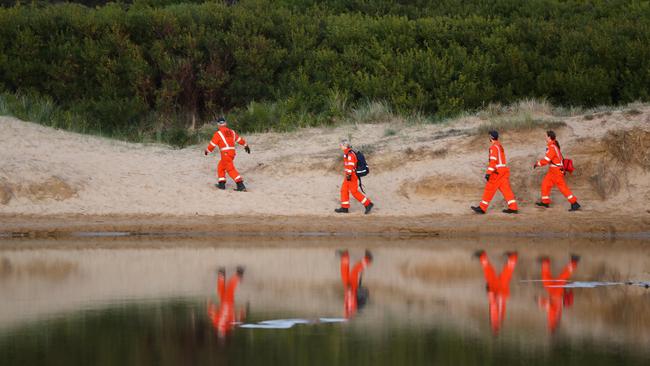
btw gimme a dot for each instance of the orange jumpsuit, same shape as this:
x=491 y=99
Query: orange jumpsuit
x=225 y=139
x=555 y=175
x=223 y=316
x=351 y=281
x=557 y=296
x=352 y=185
x=498 y=288
x=499 y=178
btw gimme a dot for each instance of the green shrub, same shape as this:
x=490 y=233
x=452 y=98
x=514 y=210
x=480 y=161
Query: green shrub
x=288 y=64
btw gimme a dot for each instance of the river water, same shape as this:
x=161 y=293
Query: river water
x=173 y=301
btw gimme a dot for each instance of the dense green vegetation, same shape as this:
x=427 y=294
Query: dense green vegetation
x=147 y=67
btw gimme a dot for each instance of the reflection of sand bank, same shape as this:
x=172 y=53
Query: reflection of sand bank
x=412 y=283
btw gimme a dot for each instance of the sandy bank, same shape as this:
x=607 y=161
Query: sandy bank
x=424 y=178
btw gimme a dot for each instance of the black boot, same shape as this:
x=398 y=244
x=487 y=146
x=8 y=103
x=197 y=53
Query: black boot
x=341 y=210
x=542 y=204
x=575 y=206
x=240 y=187
x=221 y=185
x=368 y=255
x=369 y=207
x=510 y=211
x=240 y=271
x=342 y=252
x=478 y=210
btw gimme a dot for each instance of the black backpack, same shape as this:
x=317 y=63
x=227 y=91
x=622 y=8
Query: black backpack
x=362 y=166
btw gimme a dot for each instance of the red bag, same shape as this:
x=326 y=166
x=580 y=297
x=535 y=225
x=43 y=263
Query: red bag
x=567 y=165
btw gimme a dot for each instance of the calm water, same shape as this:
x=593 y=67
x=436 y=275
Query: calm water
x=161 y=302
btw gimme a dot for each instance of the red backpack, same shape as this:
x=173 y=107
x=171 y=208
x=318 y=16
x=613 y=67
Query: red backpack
x=567 y=165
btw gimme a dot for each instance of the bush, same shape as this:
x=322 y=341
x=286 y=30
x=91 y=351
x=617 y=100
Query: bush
x=287 y=64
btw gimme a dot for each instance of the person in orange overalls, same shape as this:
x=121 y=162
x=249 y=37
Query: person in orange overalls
x=498 y=287
x=497 y=177
x=555 y=176
x=223 y=316
x=225 y=139
x=558 y=296
x=356 y=295
x=351 y=181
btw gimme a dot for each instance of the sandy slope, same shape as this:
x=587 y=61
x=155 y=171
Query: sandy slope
x=419 y=170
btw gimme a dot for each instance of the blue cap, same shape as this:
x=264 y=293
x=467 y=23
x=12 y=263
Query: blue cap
x=494 y=134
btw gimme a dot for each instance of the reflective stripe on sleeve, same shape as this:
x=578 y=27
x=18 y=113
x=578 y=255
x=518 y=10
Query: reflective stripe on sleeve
x=547 y=158
x=490 y=169
x=493 y=158
x=501 y=165
x=213 y=144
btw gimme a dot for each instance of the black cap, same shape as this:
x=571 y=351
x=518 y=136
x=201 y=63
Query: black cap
x=221 y=120
x=494 y=134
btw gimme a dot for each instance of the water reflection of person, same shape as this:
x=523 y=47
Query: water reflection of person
x=558 y=296
x=223 y=317
x=356 y=295
x=497 y=287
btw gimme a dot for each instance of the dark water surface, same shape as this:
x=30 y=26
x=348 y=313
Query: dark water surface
x=117 y=301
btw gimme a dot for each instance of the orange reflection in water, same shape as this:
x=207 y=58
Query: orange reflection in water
x=355 y=294
x=223 y=316
x=558 y=296
x=498 y=287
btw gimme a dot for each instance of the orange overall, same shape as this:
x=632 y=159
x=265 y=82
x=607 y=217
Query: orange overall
x=557 y=296
x=351 y=280
x=225 y=140
x=498 y=288
x=351 y=185
x=223 y=316
x=555 y=175
x=499 y=178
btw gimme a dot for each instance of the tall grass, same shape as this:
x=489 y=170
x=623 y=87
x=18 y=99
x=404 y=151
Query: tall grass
x=284 y=116
x=371 y=112
x=520 y=122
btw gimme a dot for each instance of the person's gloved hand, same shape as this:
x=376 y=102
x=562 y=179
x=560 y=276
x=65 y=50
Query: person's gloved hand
x=535 y=165
x=348 y=177
x=205 y=152
x=487 y=177
x=248 y=149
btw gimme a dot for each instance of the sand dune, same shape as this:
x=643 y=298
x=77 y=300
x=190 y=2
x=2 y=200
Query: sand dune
x=416 y=170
